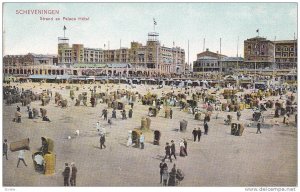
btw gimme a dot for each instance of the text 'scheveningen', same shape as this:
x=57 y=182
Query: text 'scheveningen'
x=37 y=12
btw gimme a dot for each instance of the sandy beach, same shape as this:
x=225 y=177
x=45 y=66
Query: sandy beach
x=219 y=159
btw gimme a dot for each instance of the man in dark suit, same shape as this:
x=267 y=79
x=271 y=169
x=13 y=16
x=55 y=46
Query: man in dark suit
x=102 y=141
x=66 y=174
x=168 y=152
x=173 y=149
x=258 y=128
x=199 y=134
x=185 y=146
x=5 y=148
x=73 y=175
x=195 y=132
x=205 y=128
x=162 y=165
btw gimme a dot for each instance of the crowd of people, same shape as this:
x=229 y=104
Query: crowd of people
x=174 y=176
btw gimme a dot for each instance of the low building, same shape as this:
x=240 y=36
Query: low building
x=229 y=64
x=29 y=59
x=208 y=62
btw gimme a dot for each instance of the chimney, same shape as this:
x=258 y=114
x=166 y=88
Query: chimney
x=207 y=49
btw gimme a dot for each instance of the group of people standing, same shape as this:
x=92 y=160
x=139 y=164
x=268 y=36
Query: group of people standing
x=197 y=134
x=170 y=150
x=70 y=174
x=169 y=178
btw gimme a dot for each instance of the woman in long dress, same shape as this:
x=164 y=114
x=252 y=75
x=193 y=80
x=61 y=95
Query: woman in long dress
x=182 y=149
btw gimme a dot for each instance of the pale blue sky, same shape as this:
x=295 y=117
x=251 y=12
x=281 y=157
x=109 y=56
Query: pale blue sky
x=178 y=22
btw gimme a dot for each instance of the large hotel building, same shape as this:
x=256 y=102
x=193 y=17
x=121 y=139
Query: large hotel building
x=150 y=56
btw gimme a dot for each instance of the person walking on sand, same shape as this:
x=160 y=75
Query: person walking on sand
x=185 y=146
x=165 y=176
x=205 y=128
x=114 y=114
x=98 y=126
x=102 y=141
x=238 y=115
x=130 y=112
x=172 y=176
x=199 y=134
x=73 y=174
x=168 y=152
x=182 y=151
x=162 y=165
x=258 y=128
x=195 y=134
x=142 y=140
x=5 y=148
x=66 y=174
x=21 y=157
x=173 y=150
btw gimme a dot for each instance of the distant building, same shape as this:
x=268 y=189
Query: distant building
x=208 y=62
x=286 y=54
x=229 y=64
x=259 y=53
x=29 y=60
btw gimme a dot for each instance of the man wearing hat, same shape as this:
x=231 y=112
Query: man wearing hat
x=173 y=149
x=5 y=148
x=73 y=174
x=168 y=149
x=66 y=174
x=162 y=165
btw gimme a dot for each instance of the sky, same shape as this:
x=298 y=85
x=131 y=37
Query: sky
x=177 y=23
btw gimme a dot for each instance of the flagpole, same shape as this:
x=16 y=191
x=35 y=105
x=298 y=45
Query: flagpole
x=188 y=55
x=294 y=51
x=220 y=61
x=237 y=54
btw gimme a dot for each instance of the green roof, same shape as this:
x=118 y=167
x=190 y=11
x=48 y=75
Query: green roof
x=90 y=65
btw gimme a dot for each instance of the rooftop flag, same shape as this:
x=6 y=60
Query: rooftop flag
x=155 y=23
x=65 y=31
